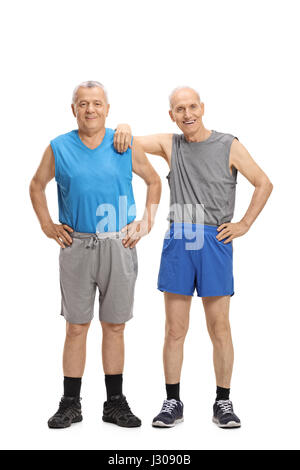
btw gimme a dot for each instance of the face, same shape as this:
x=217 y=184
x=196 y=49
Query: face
x=187 y=111
x=90 y=109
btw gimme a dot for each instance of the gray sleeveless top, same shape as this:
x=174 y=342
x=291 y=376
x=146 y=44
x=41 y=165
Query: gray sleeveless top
x=202 y=187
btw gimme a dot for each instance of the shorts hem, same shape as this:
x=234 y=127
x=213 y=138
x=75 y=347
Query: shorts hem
x=116 y=322
x=162 y=289
x=216 y=295
x=77 y=322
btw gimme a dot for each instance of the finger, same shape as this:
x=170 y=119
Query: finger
x=220 y=234
x=122 y=142
x=221 y=227
x=116 y=140
x=135 y=242
x=68 y=228
x=64 y=239
x=65 y=236
x=126 y=143
x=224 y=234
x=128 y=241
x=57 y=239
x=228 y=240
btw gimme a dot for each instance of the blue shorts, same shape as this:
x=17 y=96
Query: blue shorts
x=192 y=257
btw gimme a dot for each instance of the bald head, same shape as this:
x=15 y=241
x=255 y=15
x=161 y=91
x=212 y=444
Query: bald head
x=181 y=93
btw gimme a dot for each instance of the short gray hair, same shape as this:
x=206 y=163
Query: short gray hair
x=89 y=84
x=181 y=88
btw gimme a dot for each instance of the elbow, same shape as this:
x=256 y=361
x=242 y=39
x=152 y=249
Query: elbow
x=269 y=187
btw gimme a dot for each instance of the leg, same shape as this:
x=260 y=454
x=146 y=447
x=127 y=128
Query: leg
x=217 y=319
x=74 y=355
x=115 y=409
x=113 y=348
x=177 y=324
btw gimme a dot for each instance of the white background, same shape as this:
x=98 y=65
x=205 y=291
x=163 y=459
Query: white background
x=243 y=58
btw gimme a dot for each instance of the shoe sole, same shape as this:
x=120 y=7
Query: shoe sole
x=230 y=424
x=161 y=424
x=75 y=420
x=111 y=421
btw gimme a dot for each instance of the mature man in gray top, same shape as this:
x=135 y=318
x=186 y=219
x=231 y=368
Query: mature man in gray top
x=197 y=250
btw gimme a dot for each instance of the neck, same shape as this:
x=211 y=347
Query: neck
x=91 y=139
x=199 y=136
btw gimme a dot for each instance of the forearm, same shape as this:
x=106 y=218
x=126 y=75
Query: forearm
x=152 y=201
x=258 y=201
x=39 y=203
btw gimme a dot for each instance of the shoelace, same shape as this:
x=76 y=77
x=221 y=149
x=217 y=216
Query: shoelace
x=168 y=406
x=64 y=409
x=225 y=405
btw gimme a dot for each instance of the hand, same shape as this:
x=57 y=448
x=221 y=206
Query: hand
x=59 y=233
x=135 y=231
x=122 y=138
x=231 y=230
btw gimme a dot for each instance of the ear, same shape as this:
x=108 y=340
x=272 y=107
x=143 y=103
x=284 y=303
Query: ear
x=108 y=107
x=202 y=108
x=73 y=109
x=171 y=115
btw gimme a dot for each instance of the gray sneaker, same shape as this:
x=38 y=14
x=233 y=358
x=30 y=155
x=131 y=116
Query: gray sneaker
x=224 y=416
x=170 y=414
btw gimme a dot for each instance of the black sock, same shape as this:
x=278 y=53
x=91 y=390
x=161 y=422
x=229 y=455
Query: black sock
x=72 y=386
x=173 y=391
x=113 y=385
x=222 y=393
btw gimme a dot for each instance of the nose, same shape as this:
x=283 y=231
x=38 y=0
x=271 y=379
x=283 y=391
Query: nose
x=90 y=108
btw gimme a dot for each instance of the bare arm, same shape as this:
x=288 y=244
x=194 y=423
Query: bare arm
x=44 y=174
x=244 y=163
x=156 y=144
x=143 y=168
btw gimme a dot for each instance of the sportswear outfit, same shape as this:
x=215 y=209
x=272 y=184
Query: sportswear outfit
x=95 y=198
x=202 y=197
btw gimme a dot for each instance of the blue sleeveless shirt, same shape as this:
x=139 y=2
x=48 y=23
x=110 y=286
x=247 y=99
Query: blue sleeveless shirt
x=94 y=186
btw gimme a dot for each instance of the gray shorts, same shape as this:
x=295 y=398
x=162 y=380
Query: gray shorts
x=97 y=260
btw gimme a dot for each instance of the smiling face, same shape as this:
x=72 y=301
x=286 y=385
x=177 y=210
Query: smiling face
x=90 y=109
x=187 y=111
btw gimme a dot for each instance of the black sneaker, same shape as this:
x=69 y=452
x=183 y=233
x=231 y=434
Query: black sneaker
x=69 y=412
x=224 y=416
x=117 y=411
x=170 y=414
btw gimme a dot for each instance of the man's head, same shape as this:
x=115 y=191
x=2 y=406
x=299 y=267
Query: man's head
x=90 y=106
x=186 y=110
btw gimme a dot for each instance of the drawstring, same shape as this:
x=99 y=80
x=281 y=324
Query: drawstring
x=94 y=238
x=93 y=242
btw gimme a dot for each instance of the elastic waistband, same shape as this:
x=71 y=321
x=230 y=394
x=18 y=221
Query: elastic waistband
x=193 y=227
x=99 y=236
x=95 y=237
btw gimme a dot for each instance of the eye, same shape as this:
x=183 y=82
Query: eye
x=179 y=109
x=193 y=106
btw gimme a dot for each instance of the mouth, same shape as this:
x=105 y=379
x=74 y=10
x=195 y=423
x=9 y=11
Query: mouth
x=190 y=122
x=87 y=117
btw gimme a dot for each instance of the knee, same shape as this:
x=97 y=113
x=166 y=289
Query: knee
x=74 y=331
x=220 y=332
x=176 y=333
x=113 y=329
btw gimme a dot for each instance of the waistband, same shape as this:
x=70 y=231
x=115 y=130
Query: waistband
x=95 y=237
x=193 y=227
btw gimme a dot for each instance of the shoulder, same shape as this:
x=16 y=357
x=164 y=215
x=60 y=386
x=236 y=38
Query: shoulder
x=63 y=138
x=224 y=137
